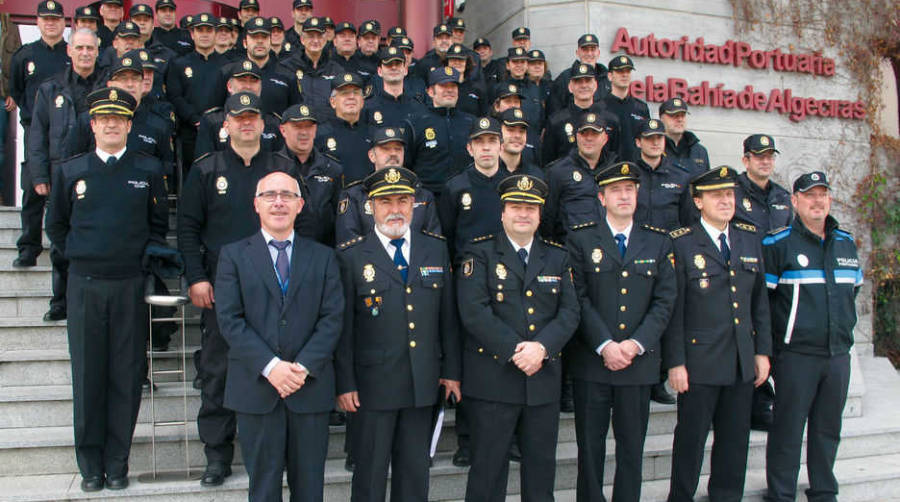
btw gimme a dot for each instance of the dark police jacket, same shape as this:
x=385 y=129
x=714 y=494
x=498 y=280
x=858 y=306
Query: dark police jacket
x=349 y=143
x=194 y=84
x=437 y=148
x=385 y=110
x=630 y=112
x=621 y=299
x=470 y=207
x=90 y=203
x=812 y=288
x=260 y=323
x=559 y=138
x=502 y=303
x=57 y=104
x=398 y=339
x=664 y=199
x=315 y=81
x=560 y=96
x=767 y=209
x=212 y=136
x=721 y=317
x=323 y=175
x=573 y=193
x=32 y=64
x=176 y=39
x=355 y=219
x=688 y=153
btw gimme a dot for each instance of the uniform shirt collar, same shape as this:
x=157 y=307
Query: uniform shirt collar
x=714 y=232
x=269 y=237
x=516 y=247
x=626 y=232
x=389 y=248
x=105 y=156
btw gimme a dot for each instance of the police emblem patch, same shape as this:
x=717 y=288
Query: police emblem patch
x=429 y=133
x=747 y=205
x=703 y=283
x=377 y=116
x=368 y=272
x=699 y=261
x=342 y=206
x=802 y=260
x=222 y=185
x=468 y=267
x=500 y=270
x=367 y=207
x=223 y=134
x=331 y=144
x=80 y=188
x=597 y=255
x=30 y=67
x=59 y=101
x=188 y=72
x=576 y=176
x=466 y=200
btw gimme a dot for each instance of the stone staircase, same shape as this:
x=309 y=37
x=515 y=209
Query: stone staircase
x=36 y=444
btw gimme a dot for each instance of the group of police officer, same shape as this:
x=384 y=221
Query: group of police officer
x=446 y=185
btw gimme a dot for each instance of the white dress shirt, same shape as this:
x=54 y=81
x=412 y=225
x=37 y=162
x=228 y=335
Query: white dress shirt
x=105 y=156
x=526 y=247
x=273 y=253
x=390 y=249
x=714 y=234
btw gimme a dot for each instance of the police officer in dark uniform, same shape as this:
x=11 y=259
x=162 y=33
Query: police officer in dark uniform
x=389 y=103
x=414 y=85
x=442 y=39
x=354 y=214
x=573 y=193
x=152 y=128
x=112 y=12
x=514 y=129
x=110 y=191
x=55 y=122
x=167 y=32
x=491 y=71
x=280 y=49
x=682 y=145
x=366 y=58
x=517 y=73
x=216 y=208
x=400 y=342
x=472 y=98
x=626 y=284
x=521 y=37
x=280 y=88
x=323 y=173
x=86 y=17
x=758 y=199
x=347 y=137
x=587 y=53
x=343 y=48
x=31 y=65
x=630 y=111
x=194 y=83
x=302 y=10
x=243 y=76
x=470 y=205
x=519 y=308
x=813 y=275
x=126 y=37
x=663 y=200
x=314 y=68
x=718 y=343
x=437 y=136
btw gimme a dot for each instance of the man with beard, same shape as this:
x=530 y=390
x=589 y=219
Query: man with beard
x=400 y=342
x=442 y=39
x=682 y=145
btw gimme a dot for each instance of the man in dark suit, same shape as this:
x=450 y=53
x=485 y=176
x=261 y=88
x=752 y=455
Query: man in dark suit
x=279 y=307
x=626 y=285
x=519 y=308
x=399 y=342
x=718 y=343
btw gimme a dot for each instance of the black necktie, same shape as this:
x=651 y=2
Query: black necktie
x=111 y=161
x=523 y=255
x=723 y=248
x=620 y=240
x=399 y=260
x=282 y=265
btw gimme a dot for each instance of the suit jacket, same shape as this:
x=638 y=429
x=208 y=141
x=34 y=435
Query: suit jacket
x=258 y=324
x=502 y=303
x=398 y=339
x=721 y=317
x=9 y=44
x=621 y=299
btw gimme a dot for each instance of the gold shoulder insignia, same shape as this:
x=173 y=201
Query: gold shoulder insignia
x=554 y=244
x=213 y=110
x=654 y=229
x=483 y=238
x=777 y=230
x=351 y=242
x=679 y=232
x=205 y=155
x=746 y=227
x=348 y=185
x=432 y=234
x=587 y=224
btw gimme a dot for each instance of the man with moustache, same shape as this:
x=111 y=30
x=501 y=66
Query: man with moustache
x=314 y=67
x=813 y=275
x=519 y=308
x=626 y=285
x=400 y=342
x=354 y=215
x=718 y=343
x=280 y=309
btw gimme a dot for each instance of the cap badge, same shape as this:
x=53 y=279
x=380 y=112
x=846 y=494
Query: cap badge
x=87 y=11
x=582 y=69
x=314 y=21
x=457 y=49
x=304 y=110
x=814 y=177
x=142 y=8
x=589 y=38
x=519 y=51
x=500 y=271
x=369 y=272
x=576 y=176
x=221 y=184
x=392 y=175
x=51 y=5
x=459 y=22
x=625 y=169
x=723 y=172
x=129 y=25
x=623 y=59
x=143 y=55
x=699 y=261
x=676 y=102
x=126 y=62
x=521 y=30
x=245 y=100
x=591 y=118
x=392 y=51
x=113 y=95
x=404 y=41
x=764 y=141
x=484 y=123
x=348 y=77
x=368 y=26
x=448 y=70
x=524 y=184
x=654 y=124
x=517 y=113
x=388 y=132
x=597 y=255
x=248 y=65
x=259 y=21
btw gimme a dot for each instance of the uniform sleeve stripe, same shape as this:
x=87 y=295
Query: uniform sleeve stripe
x=803 y=274
x=771 y=281
x=846 y=276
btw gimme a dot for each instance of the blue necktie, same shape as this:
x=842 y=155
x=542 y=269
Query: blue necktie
x=282 y=265
x=723 y=248
x=523 y=255
x=111 y=161
x=399 y=260
x=620 y=241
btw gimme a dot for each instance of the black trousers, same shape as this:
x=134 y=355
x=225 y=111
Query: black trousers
x=399 y=438
x=279 y=440
x=809 y=389
x=215 y=423
x=629 y=406
x=727 y=409
x=493 y=425
x=107 y=330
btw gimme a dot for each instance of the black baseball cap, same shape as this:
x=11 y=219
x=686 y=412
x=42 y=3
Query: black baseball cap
x=481 y=42
x=441 y=29
x=160 y=4
x=344 y=26
x=588 y=39
x=388 y=54
x=384 y=135
x=244 y=68
x=809 y=180
x=345 y=79
x=242 y=102
x=590 y=120
x=581 y=70
x=672 y=106
x=484 y=125
x=443 y=74
x=126 y=29
x=314 y=24
x=87 y=12
x=258 y=24
x=140 y=9
x=370 y=26
x=297 y=113
x=457 y=51
x=620 y=63
x=203 y=19
x=513 y=117
x=759 y=143
x=516 y=53
x=521 y=32
x=130 y=61
x=650 y=127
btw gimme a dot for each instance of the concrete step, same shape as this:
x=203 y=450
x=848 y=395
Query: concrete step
x=8 y=253
x=31 y=278
x=10 y=232
x=32 y=333
x=9 y=216
x=21 y=303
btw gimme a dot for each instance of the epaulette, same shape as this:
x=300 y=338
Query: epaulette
x=332 y=157
x=746 y=227
x=205 y=155
x=432 y=234
x=679 y=232
x=73 y=157
x=778 y=230
x=483 y=238
x=586 y=224
x=655 y=229
x=277 y=116
x=351 y=242
x=548 y=166
x=552 y=243
x=213 y=110
x=843 y=233
x=776 y=235
x=352 y=183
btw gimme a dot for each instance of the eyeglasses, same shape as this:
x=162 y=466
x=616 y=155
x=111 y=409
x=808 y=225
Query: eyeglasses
x=271 y=195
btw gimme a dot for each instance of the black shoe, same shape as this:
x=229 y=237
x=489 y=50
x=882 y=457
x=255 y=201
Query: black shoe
x=92 y=484
x=197 y=383
x=160 y=347
x=55 y=314
x=117 y=483
x=659 y=394
x=25 y=262
x=515 y=454
x=462 y=458
x=336 y=418
x=215 y=474
x=349 y=464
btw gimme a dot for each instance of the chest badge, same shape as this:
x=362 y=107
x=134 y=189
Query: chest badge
x=576 y=176
x=221 y=185
x=597 y=255
x=747 y=205
x=188 y=72
x=378 y=117
x=80 y=188
x=466 y=201
x=369 y=272
x=802 y=260
x=429 y=134
x=500 y=271
x=223 y=135
x=59 y=101
x=331 y=144
x=704 y=283
x=30 y=68
x=367 y=207
x=699 y=261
